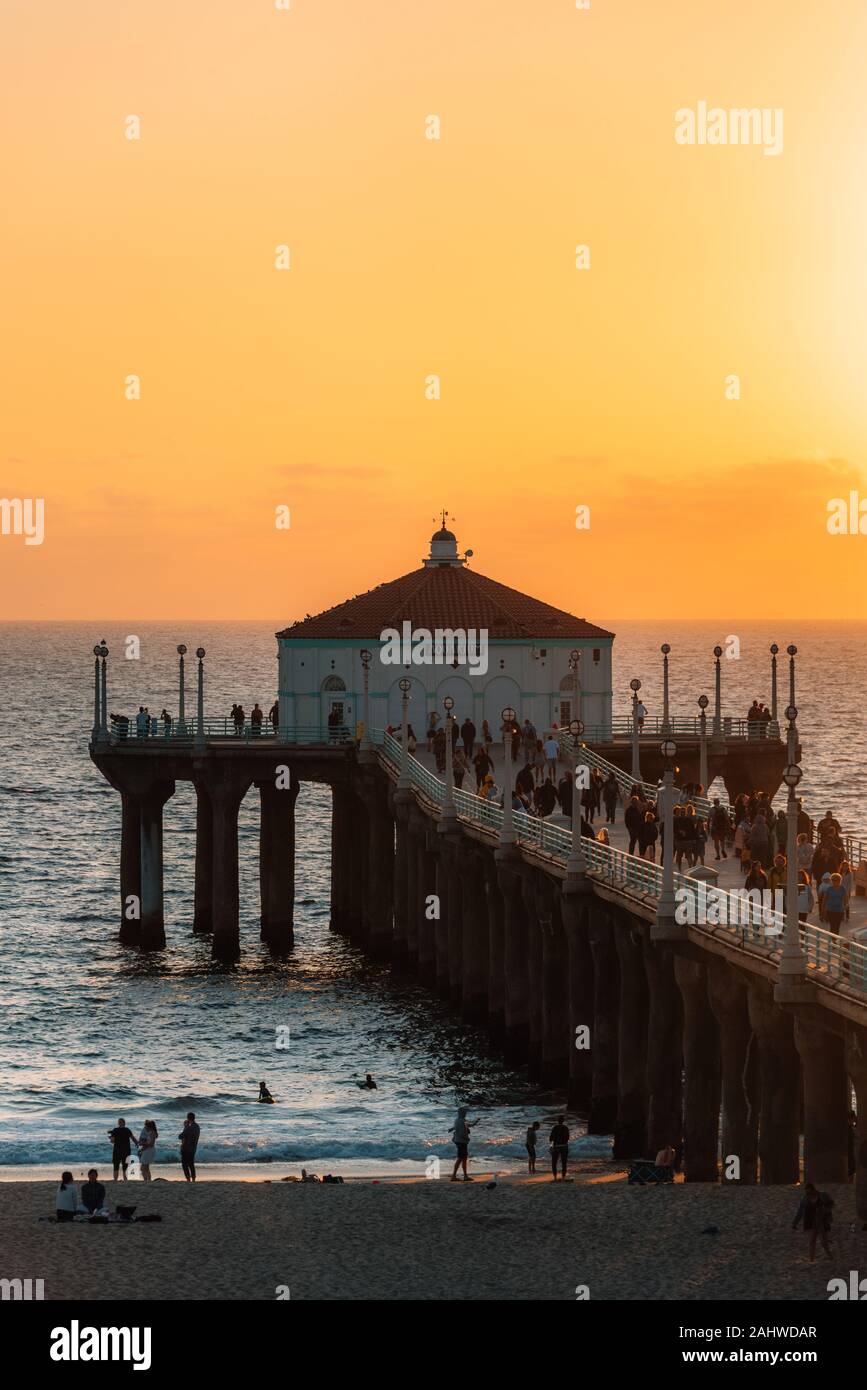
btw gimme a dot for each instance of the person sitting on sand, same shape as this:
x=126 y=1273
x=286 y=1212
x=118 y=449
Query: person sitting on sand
x=92 y=1192
x=559 y=1142
x=815 y=1211
x=265 y=1095
x=666 y=1156
x=461 y=1131
x=309 y=1177
x=531 y=1146
x=122 y=1140
x=66 y=1202
x=368 y=1084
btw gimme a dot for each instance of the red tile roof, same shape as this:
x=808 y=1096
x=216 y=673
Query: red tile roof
x=444 y=596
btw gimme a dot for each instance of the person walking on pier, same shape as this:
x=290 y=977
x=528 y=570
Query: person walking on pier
x=468 y=734
x=167 y=723
x=433 y=720
x=539 y=762
x=528 y=740
x=552 y=751
x=565 y=793
x=610 y=795
x=648 y=836
x=487 y=737
x=274 y=715
x=836 y=902
x=142 y=723
x=483 y=765
x=641 y=713
x=459 y=766
x=559 y=1142
x=122 y=1140
x=189 y=1137
x=815 y=1211
x=634 y=820
x=461 y=1133
x=256 y=720
x=720 y=828
x=238 y=716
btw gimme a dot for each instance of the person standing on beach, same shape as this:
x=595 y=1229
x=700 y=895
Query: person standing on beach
x=815 y=1212
x=189 y=1137
x=147 y=1147
x=461 y=1132
x=531 y=1146
x=122 y=1140
x=559 y=1141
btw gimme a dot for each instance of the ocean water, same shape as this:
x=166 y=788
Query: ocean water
x=91 y=1030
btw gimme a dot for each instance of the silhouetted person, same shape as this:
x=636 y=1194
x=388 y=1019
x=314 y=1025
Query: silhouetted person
x=189 y=1137
x=265 y=1095
x=559 y=1141
x=122 y=1140
x=92 y=1192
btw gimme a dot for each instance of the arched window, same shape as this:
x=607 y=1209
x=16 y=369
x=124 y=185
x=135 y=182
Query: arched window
x=568 y=682
x=333 y=683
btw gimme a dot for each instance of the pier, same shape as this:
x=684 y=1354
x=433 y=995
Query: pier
x=565 y=949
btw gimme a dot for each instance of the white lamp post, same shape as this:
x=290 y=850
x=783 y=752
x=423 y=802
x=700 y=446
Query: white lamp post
x=576 y=864
x=365 y=667
x=665 y=914
x=97 y=724
x=635 y=686
x=793 y=966
x=200 y=700
x=574 y=658
x=449 y=816
x=774 y=650
x=404 y=780
x=507 y=829
x=182 y=724
x=703 y=703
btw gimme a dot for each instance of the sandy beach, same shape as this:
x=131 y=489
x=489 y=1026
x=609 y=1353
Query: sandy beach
x=524 y=1239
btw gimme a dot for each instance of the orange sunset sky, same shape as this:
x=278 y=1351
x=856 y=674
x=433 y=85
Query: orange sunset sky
x=411 y=257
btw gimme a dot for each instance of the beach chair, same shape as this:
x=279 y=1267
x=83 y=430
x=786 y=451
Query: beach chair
x=644 y=1171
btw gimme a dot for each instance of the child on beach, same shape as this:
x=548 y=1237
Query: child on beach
x=531 y=1146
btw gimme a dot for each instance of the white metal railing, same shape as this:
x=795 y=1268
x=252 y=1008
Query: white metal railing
x=835 y=959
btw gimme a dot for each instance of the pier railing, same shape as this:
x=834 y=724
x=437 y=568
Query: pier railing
x=687 y=726
x=837 y=960
x=130 y=731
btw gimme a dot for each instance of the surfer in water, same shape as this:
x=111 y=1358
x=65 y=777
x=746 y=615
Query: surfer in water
x=368 y=1084
x=265 y=1095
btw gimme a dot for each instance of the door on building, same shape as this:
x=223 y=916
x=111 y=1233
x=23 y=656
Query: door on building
x=565 y=714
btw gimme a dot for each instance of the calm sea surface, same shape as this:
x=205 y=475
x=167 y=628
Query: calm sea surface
x=90 y=1030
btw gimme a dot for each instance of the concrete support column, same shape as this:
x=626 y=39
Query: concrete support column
x=380 y=872
x=630 y=1130
x=455 y=917
x=153 y=932
x=476 y=948
x=427 y=887
x=226 y=944
x=341 y=857
x=358 y=868
x=575 y=909
x=664 y=1048
x=702 y=1074
x=402 y=803
x=739 y=1059
x=441 y=926
x=856 y=1065
x=555 y=992
x=534 y=977
x=780 y=1076
x=604 y=1034
x=515 y=966
x=826 y=1101
x=130 y=870
x=496 y=952
x=277 y=862
x=203 y=910
x=415 y=828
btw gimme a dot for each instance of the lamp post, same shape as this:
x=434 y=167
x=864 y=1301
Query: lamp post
x=103 y=717
x=574 y=658
x=182 y=718
x=365 y=668
x=507 y=829
x=94 y=733
x=404 y=779
x=793 y=966
x=717 y=708
x=665 y=913
x=703 y=703
x=576 y=865
x=635 y=686
x=200 y=700
x=449 y=815
x=793 y=728
x=666 y=726
x=774 y=650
